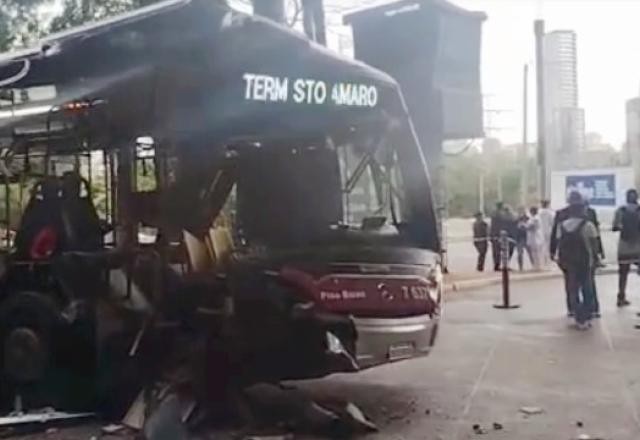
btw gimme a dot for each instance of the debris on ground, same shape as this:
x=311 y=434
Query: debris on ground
x=479 y=430
x=168 y=420
x=134 y=418
x=531 y=410
x=497 y=426
x=353 y=418
x=113 y=429
x=427 y=412
x=45 y=415
x=51 y=431
x=269 y=437
x=579 y=424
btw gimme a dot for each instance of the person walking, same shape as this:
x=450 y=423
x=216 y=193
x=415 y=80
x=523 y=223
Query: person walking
x=627 y=222
x=560 y=216
x=480 y=239
x=592 y=215
x=546 y=216
x=535 y=239
x=510 y=221
x=577 y=253
x=521 y=236
x=497 y=225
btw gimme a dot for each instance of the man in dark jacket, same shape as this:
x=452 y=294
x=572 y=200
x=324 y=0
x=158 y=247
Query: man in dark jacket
x=576 y=241
x=480 y=239
x=591 y=215
x=497 y=225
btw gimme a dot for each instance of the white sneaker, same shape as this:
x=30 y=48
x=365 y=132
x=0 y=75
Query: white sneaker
x=583 y=326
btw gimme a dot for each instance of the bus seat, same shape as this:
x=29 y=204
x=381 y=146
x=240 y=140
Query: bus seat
x=201 y=258
x=42 y=211
x=222 y=244
x=79 y=215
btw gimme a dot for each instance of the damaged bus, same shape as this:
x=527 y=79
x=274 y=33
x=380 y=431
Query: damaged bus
x=197 y=180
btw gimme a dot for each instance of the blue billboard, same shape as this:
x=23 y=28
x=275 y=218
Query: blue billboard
x=598 y=189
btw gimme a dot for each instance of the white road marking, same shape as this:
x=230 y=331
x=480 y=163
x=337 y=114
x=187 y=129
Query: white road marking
x=476 y=387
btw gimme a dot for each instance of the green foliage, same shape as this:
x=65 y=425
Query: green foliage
x=76 y=12
x=463 y=180
x=22 y=22
x=19 y=194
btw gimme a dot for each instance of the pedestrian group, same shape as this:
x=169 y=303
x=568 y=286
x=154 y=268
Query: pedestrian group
x=570 y=237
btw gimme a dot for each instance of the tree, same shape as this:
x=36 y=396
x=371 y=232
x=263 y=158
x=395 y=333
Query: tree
x=20 y=23
x=23 y=22
x=75 y=12
x=463 y=174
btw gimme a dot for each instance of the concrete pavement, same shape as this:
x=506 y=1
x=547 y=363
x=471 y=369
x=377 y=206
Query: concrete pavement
x=490 y=363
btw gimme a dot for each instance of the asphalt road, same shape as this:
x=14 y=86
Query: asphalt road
x=490 y=363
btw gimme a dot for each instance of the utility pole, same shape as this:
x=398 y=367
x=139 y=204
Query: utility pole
x=542 y=153
x=313 y=20
x=273 y=9
x=481 y=202
x=524 y=176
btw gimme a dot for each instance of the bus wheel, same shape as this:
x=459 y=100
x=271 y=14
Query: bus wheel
x=27 y=322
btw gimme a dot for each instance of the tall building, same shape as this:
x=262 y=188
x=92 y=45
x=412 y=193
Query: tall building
x=632 y=146
x=564 y=119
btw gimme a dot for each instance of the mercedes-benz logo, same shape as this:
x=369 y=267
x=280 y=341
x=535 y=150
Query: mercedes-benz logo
x=384 y=292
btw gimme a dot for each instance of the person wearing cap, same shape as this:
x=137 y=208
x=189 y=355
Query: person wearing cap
x=480 y=239
x=574 y=245
x=627 y=222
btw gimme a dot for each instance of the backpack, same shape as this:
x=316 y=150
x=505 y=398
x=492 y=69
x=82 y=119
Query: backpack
x=572 y=248
x=630 y=228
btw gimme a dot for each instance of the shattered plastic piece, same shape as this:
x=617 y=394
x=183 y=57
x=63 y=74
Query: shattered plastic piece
x=357 y=416
x=46 y=415
x=165 y=423
x=497 y=426
x=427 y=412
x=531 y=410
x=112 y=429
x=579 y=424
x=51 y=431
x=269 y=437
x=135 y=416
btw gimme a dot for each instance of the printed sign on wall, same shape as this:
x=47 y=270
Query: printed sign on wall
x=598 y=189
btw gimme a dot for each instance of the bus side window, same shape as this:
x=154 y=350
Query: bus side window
x=145 y=165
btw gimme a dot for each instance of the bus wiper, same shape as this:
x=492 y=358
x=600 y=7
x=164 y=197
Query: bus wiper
x=357 y=173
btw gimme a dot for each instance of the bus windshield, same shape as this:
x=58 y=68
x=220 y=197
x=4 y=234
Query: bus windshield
x=291 y=195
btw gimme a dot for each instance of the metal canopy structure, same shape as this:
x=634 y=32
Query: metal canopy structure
x=182 y=67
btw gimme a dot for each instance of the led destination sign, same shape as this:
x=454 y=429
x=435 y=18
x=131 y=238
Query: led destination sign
x=306 y=91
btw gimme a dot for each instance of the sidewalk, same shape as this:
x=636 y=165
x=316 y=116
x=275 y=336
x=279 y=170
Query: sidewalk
x=464 y=280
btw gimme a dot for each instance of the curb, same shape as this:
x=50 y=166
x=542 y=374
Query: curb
x=476 y=283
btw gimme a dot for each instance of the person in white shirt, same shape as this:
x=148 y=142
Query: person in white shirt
x=535 y=239
x=546 y=216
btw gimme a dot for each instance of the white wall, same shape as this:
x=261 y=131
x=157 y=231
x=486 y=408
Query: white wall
x=623 y=178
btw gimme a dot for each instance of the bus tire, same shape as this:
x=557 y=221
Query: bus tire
x=27 y=327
